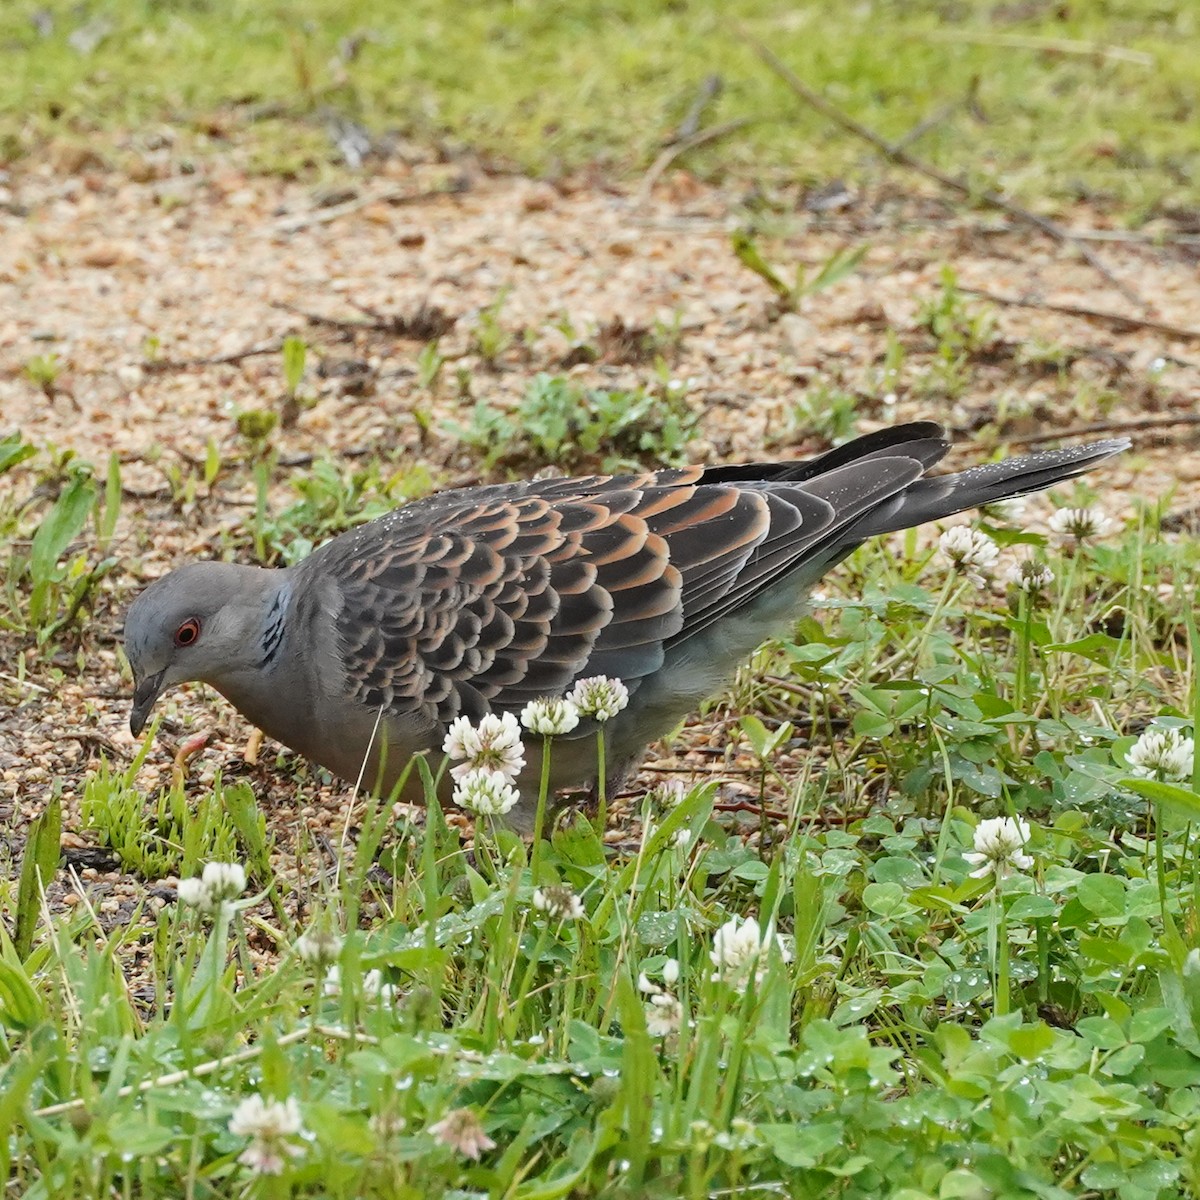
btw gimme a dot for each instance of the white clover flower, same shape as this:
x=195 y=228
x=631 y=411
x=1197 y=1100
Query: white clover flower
x=224 y=881
x=740 y=951
x=460 y=737
x=559 y=902
x=386 y=1125
x=265 y=1159
x=971 y=553
x=740 y=1135
x=256 y=1116
x=664 y=1012
x=668 y=794
x=492 y=745
x=270 y=1124
x=460 y=1129
x=1162 y=754
x=318 y=946
x=1011 y=510
x=550 y=717
x=486 y=793
x=218 y=883
x=998 y=846
x=599 y=697
x=193 y=893
x=331 y=985
x=1030 y=575
x=670 y=974
x=680 y=839
x=1079 y=524
x=374 y=986
x=664 y=1015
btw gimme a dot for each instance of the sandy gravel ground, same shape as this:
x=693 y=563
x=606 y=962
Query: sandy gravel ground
x=141 y=286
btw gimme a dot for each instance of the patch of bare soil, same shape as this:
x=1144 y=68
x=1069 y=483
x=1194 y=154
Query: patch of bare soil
x=166 y=302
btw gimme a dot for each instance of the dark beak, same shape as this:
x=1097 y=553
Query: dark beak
x=144 y=696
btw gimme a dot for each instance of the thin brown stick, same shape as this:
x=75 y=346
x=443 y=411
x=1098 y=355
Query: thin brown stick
x=709 y=90
x=91 y=737
x=1043 y=45
x=323 y=216
x=676 y=149
x=218 y=360
x=427 y=323
x=1135 y=237
x=935 y=118
x=307 y=460
x=1120 y=320
x=132 y=493
x=25 y=683
x=1133 y=426
x=1122 y=237
x=895 y=152
x=746 y=806
x=197 y=1072
x=697 y=769
x=342 y=324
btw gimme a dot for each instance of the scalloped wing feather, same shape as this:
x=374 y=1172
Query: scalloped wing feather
x=489 y=597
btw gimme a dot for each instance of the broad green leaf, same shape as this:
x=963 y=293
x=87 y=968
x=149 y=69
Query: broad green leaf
x=887 y=899
x=106 y=523
x=212 y=462
x=295 y=353
x=60 y=526
x=748 y=254
x=1102 y=895
x=803 y=1145
x=20 y=1005
x=43 y=847
x=1179 y=799
x=19 y=1079
x=836 y=267
x=1031 y=1041
x=764 y=741
x=1031 y=908
x=13 y=451
x=56 y=532
x=1098 y=647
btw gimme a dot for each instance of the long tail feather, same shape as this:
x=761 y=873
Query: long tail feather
x=938 y=496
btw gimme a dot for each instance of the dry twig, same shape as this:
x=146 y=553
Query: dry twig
x=307 y=460
x=935 y=118
x=1135 y=237
x=1131 y=426
x=426 y=324
x=676 y=149
x=200 y=1070
x=710 y=88
x=323 y=216
x=1017 y=41
x=216 y=360
x=895 y=152
x=1120 y=320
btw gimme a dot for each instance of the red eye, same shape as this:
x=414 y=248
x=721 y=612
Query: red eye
x=188 y=632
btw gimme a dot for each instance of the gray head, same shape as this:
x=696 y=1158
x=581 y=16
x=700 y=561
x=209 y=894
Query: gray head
x=201 y=622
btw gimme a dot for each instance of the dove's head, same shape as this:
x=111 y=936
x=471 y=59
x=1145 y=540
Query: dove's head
x=201 y=622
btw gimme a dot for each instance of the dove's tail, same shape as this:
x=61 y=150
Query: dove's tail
x=934 y=497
